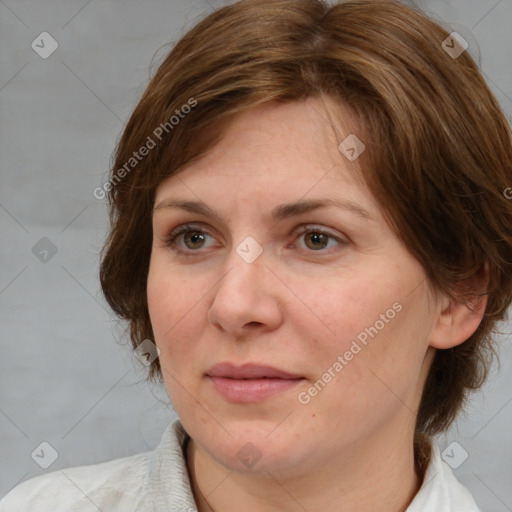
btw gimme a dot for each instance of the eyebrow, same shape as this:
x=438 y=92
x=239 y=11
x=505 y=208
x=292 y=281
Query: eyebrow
x=279 y=213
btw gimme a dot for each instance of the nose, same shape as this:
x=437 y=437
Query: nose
x=246 y=299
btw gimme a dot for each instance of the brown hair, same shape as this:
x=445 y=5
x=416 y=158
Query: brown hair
x=438 y=150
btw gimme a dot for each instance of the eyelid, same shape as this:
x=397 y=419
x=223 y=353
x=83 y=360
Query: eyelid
x=304 y=228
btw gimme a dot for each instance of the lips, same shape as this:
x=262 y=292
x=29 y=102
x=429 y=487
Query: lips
x=249 y=371
x=250 y=383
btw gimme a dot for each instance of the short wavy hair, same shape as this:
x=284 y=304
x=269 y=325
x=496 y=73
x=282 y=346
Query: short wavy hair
x=438 y=152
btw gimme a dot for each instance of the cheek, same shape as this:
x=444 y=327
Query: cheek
x=369 y=331
x=345 y=311
x=173 y=308
x=158 y=295
x=174 y=314
x=178 y=310
x=382 y=365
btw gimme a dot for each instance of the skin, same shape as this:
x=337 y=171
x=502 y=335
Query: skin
x=297 y=307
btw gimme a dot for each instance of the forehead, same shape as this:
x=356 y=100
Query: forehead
x=291 y=130
x=281 y=150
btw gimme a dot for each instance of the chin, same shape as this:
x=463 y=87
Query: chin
x=255 y=446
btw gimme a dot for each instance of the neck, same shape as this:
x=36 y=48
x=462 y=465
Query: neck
x=386 y=477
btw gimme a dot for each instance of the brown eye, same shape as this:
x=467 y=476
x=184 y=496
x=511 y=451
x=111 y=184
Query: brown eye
x=189 y=240
x=194 y=239
x=315 y=240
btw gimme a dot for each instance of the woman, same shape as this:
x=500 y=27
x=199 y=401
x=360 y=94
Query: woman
x=311 y=244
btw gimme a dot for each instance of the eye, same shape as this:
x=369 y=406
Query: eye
x=187 y=238
x=317 y=239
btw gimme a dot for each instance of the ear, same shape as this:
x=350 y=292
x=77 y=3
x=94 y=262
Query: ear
x=458 y=320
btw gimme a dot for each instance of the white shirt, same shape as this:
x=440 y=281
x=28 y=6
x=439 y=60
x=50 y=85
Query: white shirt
x=158 y=481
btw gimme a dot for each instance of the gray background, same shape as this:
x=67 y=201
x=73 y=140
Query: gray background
x=64 y=377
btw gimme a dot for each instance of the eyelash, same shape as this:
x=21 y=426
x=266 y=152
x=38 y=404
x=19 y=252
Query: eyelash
x=171 y=239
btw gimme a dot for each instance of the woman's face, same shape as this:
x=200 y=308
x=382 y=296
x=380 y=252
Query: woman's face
x=321 y=291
